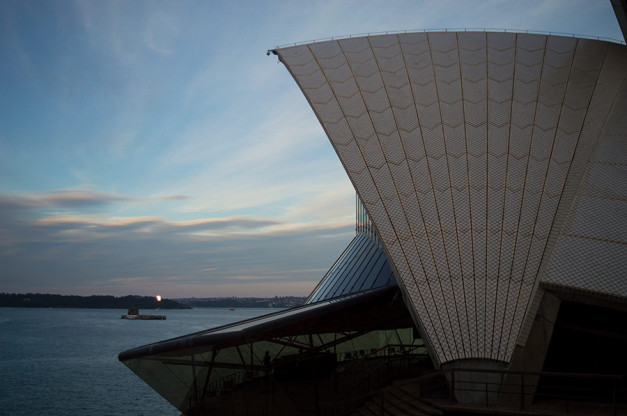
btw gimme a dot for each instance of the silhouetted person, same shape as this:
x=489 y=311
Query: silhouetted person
x=266 y=362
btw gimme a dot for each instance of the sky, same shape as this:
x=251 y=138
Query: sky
x=153 y=147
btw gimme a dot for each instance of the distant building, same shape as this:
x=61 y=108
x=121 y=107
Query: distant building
x=491 y=173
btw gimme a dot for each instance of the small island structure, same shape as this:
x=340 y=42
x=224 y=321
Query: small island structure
x=133 y=314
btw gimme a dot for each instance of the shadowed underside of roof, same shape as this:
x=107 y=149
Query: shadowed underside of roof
x=479 y=157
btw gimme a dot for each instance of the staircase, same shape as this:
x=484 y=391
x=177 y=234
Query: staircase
x=396 y=400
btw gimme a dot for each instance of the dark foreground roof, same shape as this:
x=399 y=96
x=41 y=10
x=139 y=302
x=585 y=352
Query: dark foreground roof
x=376 y=309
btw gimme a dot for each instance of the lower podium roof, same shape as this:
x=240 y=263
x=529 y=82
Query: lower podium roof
x=380 y=308
x=189 y=370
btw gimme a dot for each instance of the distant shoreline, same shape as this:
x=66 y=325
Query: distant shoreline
x=39 y=300
x=42 y=300
x=244 y=302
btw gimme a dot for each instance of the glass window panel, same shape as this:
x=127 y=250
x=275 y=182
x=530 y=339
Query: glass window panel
x=355 y=274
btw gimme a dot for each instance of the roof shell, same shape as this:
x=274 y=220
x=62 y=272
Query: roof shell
x=477 y=155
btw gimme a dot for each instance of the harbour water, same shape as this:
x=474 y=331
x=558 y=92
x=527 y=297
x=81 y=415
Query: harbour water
x=63 y=362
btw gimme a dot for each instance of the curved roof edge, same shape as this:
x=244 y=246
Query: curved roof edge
x=491 y=30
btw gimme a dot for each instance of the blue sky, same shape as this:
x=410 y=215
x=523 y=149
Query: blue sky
x=152 y=147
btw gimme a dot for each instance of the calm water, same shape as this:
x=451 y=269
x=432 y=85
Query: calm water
x=63 y=362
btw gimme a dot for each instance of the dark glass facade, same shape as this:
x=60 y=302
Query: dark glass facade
x=363 y=223
x=362 y=266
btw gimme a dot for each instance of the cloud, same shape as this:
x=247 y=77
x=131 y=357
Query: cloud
x=108 y=259
x=17 y=54
x=94 y=253
x=86 y=228
x=282 y=163
x=71 y=198
x=161 y=32
x=64 y=198
x=166 y=197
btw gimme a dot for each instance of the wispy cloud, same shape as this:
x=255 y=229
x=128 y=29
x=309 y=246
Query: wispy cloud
x=71 y=198
x=161 y=32
x=66 y=198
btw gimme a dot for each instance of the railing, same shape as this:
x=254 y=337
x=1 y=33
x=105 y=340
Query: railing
x=524 y=390
x=559 y=393
x=224 y=384
x=399 y=32
x=398 y=361
x=351 y=382
x=354 y=382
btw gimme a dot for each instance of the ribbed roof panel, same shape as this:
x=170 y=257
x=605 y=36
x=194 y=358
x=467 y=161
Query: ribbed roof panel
x=591 y=249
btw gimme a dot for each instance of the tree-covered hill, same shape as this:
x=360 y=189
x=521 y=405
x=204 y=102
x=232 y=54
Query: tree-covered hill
x=38 y=300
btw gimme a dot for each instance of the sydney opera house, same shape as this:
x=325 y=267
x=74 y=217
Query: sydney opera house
x=489 y=267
